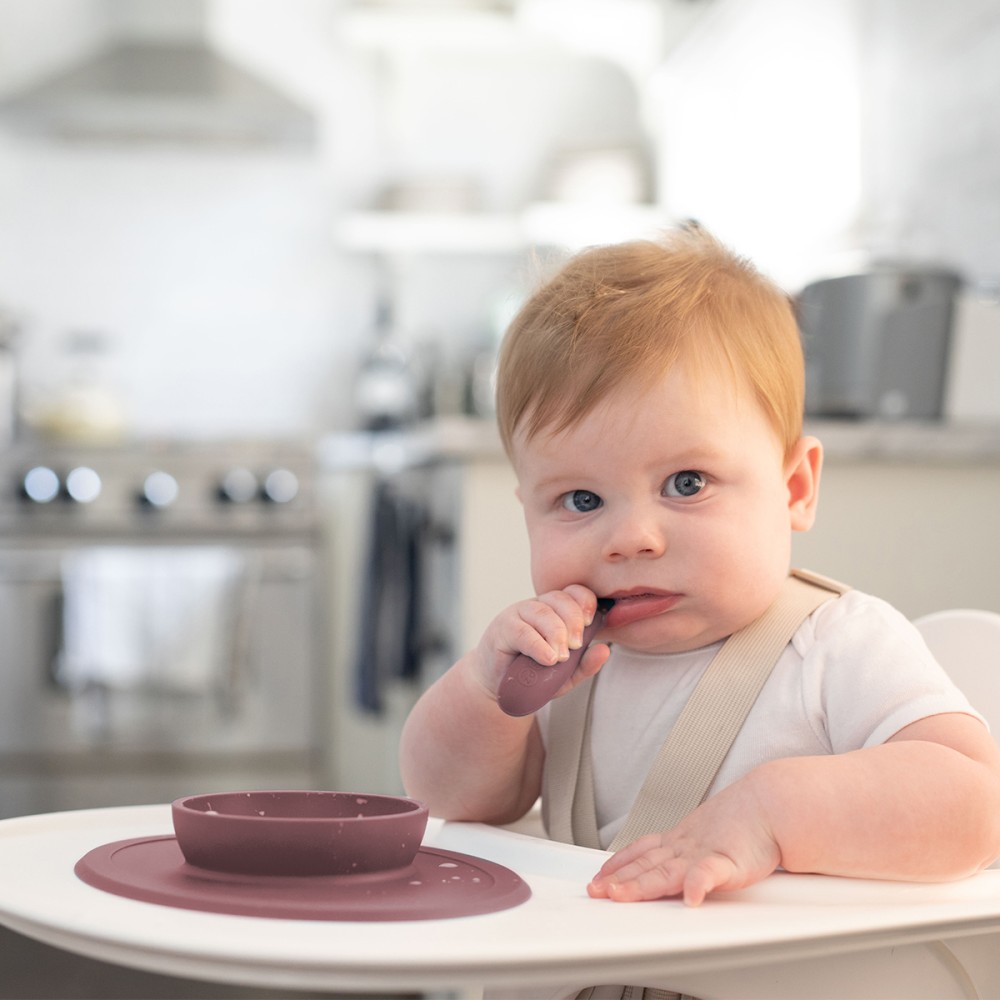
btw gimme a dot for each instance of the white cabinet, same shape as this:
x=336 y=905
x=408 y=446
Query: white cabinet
x=921 y=534
x=494 y=557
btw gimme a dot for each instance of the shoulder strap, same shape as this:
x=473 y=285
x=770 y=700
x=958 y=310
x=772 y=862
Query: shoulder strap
x=568 y=811
x=697 y=744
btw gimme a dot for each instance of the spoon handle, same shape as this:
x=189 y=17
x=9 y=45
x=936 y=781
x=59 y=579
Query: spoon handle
x=528 y=684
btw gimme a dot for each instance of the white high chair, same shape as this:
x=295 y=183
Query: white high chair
x=966 y=643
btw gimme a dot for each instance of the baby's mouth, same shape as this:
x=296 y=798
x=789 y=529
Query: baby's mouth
x=638 y=605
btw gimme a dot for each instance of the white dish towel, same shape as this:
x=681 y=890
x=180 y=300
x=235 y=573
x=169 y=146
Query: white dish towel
x=149 y=617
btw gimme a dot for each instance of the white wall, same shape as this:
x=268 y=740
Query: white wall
x=813 y=135
x=217 y=275
x=932 y=132
x=761 y=130
x=218 y=283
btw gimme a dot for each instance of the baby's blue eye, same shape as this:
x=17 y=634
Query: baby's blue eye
x=582 y=501
x=684 y=484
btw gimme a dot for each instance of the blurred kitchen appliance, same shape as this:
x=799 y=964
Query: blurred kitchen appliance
x=160 y=609
x=387 y=390
x=81 y=402
x=159 y=77
x=877 y=343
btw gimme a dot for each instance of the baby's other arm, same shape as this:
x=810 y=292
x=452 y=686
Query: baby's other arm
x=924 y=806
x=463 y=756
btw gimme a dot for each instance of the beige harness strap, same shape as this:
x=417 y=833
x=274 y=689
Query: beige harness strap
x=568 y=810
x=697 y=744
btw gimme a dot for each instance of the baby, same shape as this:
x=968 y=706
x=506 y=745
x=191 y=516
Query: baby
x=650 y=399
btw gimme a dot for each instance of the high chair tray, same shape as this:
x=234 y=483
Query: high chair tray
x=781 y=937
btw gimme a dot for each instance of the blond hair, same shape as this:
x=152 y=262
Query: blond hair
x=624 y=314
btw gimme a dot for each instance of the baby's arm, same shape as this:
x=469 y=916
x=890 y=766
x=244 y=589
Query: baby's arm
x=924 y=806
x=463 y=756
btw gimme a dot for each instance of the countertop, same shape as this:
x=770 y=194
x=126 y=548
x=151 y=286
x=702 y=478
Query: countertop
x=457 y=439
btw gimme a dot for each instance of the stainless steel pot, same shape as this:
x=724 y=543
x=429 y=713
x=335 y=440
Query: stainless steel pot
x=877 y=343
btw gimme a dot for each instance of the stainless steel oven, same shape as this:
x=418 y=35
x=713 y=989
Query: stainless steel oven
x=160 y=623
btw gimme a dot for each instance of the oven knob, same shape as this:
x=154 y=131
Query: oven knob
x=40 y=484
x=239 y=486
x=280 y=486
x=83 y=484
x=159 y=489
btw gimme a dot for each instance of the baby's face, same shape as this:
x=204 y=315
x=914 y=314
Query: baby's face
x=675 y=502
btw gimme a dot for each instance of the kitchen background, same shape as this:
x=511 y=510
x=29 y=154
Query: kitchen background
x=280 y=284
x=233 y=285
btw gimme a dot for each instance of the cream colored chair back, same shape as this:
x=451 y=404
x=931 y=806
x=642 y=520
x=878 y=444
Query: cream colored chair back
x=967 y=644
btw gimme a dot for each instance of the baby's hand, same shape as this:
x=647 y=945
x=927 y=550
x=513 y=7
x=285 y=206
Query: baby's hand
x=546 y=628
x=726 y=843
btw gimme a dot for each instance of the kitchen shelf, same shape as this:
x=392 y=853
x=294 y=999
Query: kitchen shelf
x=554 y=224
x=440 y=232
x=396 y=28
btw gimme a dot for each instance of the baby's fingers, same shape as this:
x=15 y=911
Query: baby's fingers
x=632 y=862
x=557 y=619
x=654 y=875
x=713 y=872
x=629 y=854
x=660 y=873
x=539 y=631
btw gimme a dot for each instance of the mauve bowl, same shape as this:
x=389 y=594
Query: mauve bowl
x=299 y=832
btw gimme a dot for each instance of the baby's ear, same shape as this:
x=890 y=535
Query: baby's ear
x=802 y=472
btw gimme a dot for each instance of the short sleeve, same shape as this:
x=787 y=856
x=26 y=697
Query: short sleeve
x=869 y=673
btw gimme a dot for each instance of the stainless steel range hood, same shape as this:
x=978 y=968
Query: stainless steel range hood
x=150 y=84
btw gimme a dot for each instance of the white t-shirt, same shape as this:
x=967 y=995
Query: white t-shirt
x=856 y=672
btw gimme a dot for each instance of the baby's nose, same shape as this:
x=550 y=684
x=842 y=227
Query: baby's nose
x=638 y=534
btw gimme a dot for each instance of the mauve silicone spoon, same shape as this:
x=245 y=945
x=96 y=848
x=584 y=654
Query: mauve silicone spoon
x=528 y=684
